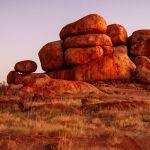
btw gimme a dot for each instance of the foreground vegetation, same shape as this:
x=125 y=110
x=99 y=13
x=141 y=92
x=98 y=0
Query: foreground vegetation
x=68 y=121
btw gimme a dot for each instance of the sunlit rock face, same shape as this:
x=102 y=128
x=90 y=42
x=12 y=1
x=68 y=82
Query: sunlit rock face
x=89 y=24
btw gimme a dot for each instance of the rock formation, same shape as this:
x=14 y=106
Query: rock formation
x=140 y=54
x=51 y=56
x=89 y=50
x=26 y=66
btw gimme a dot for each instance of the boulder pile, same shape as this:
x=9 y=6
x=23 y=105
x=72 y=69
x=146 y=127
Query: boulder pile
x=90 y=50
x=140 y=54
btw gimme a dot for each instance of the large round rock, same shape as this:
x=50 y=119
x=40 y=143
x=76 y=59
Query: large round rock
x=87 y=40
x=87 y=25
x=117 y=33
x=51 y=56
x=26 y=66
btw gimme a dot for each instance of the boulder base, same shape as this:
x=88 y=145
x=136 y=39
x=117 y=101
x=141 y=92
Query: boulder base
x=116 y=66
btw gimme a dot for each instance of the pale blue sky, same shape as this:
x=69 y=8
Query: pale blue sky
x=26 y=25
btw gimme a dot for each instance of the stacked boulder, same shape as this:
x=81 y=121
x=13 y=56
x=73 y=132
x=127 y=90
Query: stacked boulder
x=89 y=52
x=21 y=68
x=140 y=54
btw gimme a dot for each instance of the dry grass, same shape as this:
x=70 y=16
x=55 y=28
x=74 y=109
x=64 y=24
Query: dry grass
x=108 y=125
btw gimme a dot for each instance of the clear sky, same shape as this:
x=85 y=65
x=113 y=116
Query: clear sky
x=26 y=25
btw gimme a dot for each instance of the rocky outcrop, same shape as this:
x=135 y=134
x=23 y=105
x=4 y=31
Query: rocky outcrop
x=117 y=33
x=116 y=66
x=90 y=24
x=26 y=66
x=79 y=56
x=12 y=76
x=87 y=40
x=51 y=56
x=140 y=43
x=142 y=72
x=43 y=86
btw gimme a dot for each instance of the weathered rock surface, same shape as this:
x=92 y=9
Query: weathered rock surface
x=87 y=25
x=51 y=56
x=46 y=87
x=140 y=43
x=12 y=76
x=140 y=35
x=141 y=48
x=87 y=40
x=115 y=66
x=80 y=56
x=117 y=33
x=108 y=50
x=26 y=66
x=142 y=61
x=142 y=74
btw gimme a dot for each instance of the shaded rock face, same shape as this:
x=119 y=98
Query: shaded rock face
x=79 y=56
x=51 y=56
x=141 y=48
x=26 y=66
x=87 y=40
x=142 y=72
x=43 y=85
x=140 y=43
x=142 y=61
x=12 y=76
x=87 y=25
x=117 y=33
x=115 y=66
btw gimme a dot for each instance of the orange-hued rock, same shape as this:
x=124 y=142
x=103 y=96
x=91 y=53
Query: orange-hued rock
x=87 y=40
x=142 y=61
x=107 y=50
x=92 y=23
x=12 y=76
x=28 y=79
x=51 y=56
x=26 y=66
x=140 y=35
x=117 y=33
x=110 y=67
x=142 y=74
x=79 y=56
x=47 y=87
x=141 y=48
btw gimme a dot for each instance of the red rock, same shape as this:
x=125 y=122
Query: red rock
x=12 y=76
x=26 y=66
x=87 y=25
x=108 y=50
x=51 y=56
x=121 y=49
x=142 y=74
x=110 y=67
x=79 y=56
x=140 y=35
x=47 y=87
x=87 y=40
x=141 y=48
x=117 y=33
x=142 y=61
